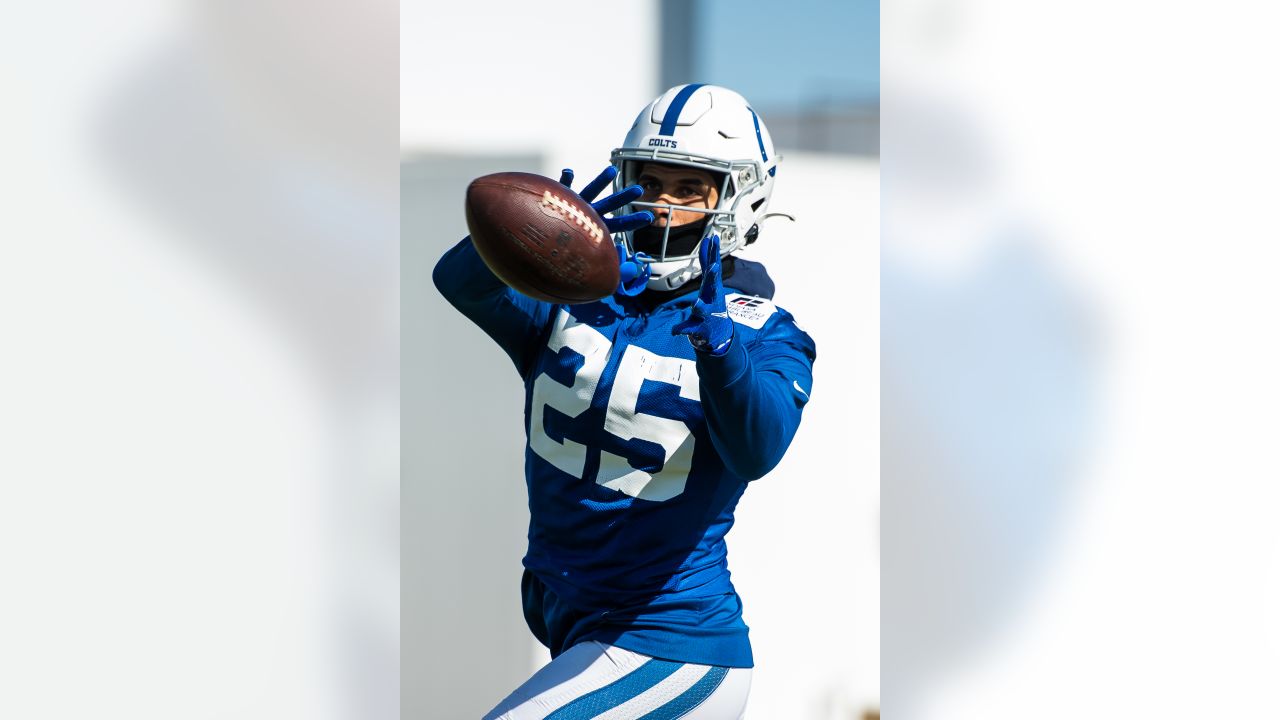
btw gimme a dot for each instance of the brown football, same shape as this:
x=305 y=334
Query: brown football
x=541 y=238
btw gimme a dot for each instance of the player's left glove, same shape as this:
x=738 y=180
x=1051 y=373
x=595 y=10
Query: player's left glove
x=709 y=328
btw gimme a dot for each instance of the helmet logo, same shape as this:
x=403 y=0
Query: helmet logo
x=573 y=214
x=662 y=142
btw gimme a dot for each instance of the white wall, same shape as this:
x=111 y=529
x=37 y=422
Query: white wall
x=563 y=80
x=805 y=550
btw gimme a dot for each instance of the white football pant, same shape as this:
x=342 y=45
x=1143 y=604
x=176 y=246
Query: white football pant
x=594 y=681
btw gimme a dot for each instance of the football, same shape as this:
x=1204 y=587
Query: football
x=541 y=238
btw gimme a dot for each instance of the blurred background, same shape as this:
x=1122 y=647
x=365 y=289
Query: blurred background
x=1078 y=361
x=804 y=552
x=199 y=380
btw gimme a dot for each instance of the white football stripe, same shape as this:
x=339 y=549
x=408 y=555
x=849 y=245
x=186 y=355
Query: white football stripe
x=658 y=695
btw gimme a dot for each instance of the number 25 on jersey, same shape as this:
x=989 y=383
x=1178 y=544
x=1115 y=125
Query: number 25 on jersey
x=621 y=419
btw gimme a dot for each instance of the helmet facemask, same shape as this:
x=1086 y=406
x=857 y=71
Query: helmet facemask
x=672 y=251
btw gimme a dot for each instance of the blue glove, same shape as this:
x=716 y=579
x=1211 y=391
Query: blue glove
x=627 y=195
x=634 y=270
x=709 y=328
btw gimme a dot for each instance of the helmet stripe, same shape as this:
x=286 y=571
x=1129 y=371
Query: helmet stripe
x=673 y=112
x=763 y=155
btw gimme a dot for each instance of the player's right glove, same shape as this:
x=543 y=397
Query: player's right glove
x=633 y=271
x=622 y=223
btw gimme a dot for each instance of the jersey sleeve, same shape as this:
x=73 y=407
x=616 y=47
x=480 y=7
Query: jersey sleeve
x=753 y=395
x=513 y=320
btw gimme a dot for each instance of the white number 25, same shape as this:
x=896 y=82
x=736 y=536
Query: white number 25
x=621 y=419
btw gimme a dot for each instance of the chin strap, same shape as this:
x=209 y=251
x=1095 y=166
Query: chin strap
x=633 y=272
x=675 y=279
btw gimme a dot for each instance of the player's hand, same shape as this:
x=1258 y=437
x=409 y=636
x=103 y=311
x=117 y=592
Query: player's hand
x=622 y=223
x=709 y=328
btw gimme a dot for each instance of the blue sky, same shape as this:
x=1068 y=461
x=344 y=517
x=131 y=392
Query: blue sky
x=785 y=54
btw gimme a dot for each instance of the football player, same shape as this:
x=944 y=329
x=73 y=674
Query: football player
x=647 y=414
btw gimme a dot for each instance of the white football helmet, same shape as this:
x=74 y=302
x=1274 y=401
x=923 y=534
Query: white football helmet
x=710 y=128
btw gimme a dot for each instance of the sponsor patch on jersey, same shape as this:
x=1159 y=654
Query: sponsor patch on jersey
x=749 y=310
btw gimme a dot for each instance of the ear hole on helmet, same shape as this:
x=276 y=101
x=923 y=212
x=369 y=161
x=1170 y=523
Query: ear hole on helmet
x=756 y=205
x=752 y=234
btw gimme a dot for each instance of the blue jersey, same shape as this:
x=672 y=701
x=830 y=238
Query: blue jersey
x=638 y=450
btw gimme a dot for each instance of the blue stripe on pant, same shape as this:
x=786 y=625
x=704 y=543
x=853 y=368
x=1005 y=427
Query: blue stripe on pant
x=610 y=696
x=691 y=698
